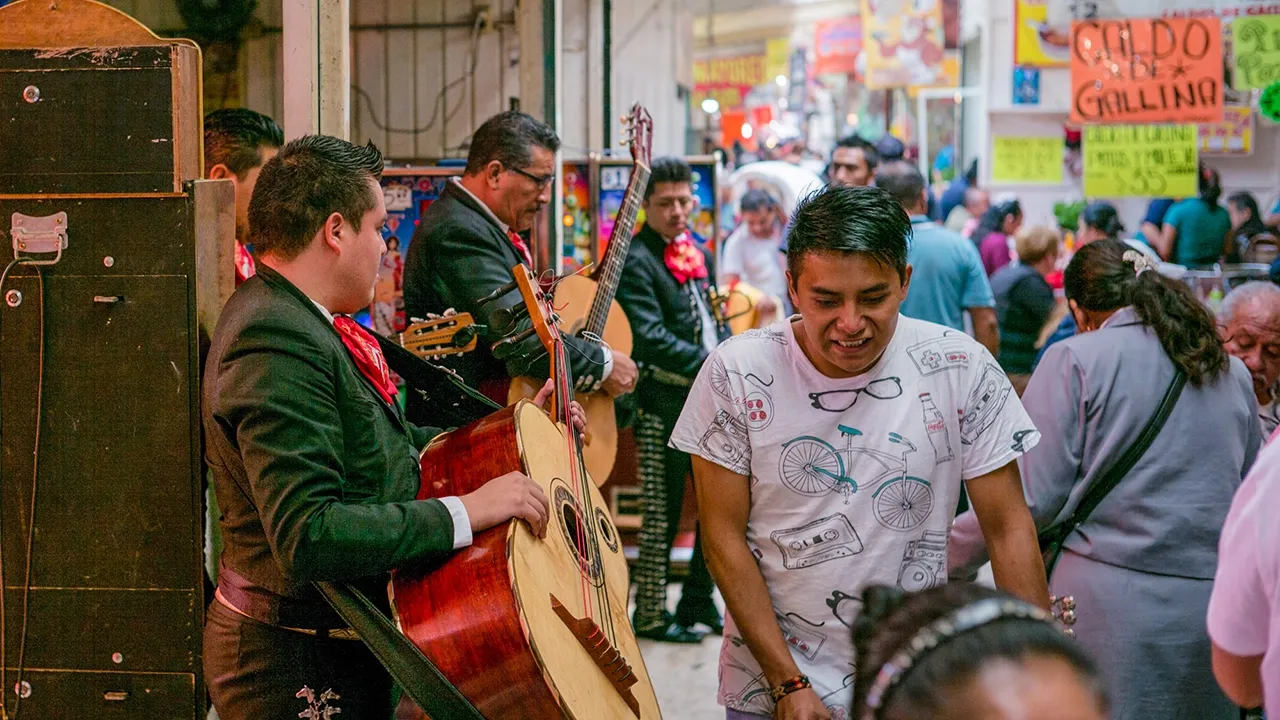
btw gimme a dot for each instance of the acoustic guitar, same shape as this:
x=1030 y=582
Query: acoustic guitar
x=438 y=337
x=529 y=628
x=587 y=309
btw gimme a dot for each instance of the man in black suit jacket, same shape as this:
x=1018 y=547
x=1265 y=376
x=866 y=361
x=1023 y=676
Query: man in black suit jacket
x=314 y=465
x=468 y=241
x=666 y=293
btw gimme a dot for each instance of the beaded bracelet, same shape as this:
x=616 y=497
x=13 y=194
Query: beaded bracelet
x=799 y=682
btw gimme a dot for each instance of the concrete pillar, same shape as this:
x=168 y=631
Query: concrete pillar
x=317 y=68
x=539 y=25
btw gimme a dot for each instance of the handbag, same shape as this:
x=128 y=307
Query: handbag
x=1052 y=539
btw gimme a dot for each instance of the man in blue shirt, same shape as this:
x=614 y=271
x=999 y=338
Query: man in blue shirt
x=947 y=275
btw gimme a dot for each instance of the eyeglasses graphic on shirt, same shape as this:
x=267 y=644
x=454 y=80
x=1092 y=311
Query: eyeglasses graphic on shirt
x=886 y=388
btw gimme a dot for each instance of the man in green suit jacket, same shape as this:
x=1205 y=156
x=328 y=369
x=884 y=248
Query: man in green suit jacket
x=314 y=465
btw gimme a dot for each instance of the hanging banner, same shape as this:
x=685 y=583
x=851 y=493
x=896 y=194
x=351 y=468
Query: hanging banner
x=1140 y=160
x=1256 y=44
x=777 y=57
x=1027 y=160
x=1037 y=42
x=904 y=42
x=1232 y=136
x=1146 y=71
x=948 y=74
x=728 y=79
x=836 y=44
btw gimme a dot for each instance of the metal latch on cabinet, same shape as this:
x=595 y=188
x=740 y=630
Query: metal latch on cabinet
x=34 y=236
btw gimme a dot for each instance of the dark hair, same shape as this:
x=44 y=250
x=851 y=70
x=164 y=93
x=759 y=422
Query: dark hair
x=890 y=620
x=509 y=137
x=902 y=180
x=890 y=148
x=312 y=178
x=993 y=220
x=756 y=200
x=868 y=150
x=1210 y=185
x=1102 y=216
x=667 y=170
x=235 y=138
x=1099 y=278
x=858 y=220
x=1244 y=200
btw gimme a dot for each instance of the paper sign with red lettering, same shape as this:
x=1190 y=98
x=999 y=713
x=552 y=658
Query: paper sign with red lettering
x=1146 y=71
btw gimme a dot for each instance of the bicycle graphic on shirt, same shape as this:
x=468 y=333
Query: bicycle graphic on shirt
x=811 y=466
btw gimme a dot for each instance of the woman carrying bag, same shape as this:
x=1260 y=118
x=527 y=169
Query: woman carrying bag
x=1139 y=557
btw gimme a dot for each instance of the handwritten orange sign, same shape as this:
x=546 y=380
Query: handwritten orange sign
x=1147 y=71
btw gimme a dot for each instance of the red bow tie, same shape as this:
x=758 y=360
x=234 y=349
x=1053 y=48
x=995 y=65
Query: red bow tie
x=684 y=259
x=367 y=355
x=522 y=247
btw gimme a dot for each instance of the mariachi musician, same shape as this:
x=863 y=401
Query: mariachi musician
x=666 y=293
x=468 y=241
x=315 y=467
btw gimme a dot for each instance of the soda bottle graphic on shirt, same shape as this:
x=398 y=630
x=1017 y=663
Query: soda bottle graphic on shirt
x=936 y=426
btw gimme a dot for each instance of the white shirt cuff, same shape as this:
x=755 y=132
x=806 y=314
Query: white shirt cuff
x=608 y=365
x=461 y=522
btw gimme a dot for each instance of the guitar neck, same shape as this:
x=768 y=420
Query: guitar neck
x=615 y=255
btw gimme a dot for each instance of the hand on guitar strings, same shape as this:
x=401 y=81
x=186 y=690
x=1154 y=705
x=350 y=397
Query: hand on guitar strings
x=507 y=497
x=579 y=415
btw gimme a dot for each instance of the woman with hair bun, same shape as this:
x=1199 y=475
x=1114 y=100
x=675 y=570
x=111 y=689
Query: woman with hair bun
x=1141 y=565
x=965 y=652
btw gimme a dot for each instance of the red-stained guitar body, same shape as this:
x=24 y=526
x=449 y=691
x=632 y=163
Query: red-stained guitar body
x=527 y=628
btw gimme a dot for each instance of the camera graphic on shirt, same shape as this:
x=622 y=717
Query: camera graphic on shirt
x=924 y=562
x=726 y=440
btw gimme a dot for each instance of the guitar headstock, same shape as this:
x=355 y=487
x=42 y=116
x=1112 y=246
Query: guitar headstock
x=449 y=335
x=639 y=130
x=538 y=307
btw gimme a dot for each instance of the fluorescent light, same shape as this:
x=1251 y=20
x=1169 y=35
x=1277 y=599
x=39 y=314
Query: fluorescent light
x=710 y=106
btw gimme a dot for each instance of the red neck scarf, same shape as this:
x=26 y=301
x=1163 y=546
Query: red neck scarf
x=685 y=260
x=522 y=247
x=367 y=355
x=244 y=264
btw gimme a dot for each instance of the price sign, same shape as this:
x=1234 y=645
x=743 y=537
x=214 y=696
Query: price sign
x=1140 y=160
x=1026 y=160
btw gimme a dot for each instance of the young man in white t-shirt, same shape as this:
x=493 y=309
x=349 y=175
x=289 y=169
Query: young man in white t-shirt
x=753 y=252
x=829 y=451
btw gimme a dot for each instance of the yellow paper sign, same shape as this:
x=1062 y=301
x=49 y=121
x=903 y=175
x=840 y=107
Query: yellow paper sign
x=1256 y=41
x=777 y=57
x=1140 y=160
x=1026 y=160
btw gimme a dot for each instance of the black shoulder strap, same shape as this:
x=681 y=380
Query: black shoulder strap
x=1108 y=482
x=412 y=671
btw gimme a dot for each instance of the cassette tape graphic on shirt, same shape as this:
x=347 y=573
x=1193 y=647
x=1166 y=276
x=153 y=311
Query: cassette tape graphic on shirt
x=950 y=352
x=924 y=562
x=801 y=635
x=985 y=403
x=726 y=442
x=828 y=538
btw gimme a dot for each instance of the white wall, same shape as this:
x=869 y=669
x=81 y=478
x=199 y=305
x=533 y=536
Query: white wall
x=1258 y=173
x=403 y=71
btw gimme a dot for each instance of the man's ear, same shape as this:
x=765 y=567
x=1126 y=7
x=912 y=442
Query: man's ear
x=331 y=232
x=492 y=172
x=221 y=172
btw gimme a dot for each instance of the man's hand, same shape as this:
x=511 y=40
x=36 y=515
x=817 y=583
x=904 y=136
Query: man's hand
x=802 y=705
x=622 y=379
x=512 y=495
x=575 y=410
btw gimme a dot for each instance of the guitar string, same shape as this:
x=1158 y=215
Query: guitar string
x=613 y=268
x=587 y=534
x=562 y=405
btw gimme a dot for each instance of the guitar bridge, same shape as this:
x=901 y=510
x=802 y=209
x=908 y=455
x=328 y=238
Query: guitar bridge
x=611 y=662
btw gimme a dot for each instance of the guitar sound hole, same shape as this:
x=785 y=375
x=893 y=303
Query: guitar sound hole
x=606 y=530
x=576 y=534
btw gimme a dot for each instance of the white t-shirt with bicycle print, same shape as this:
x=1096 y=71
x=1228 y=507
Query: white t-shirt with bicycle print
x=853 y=481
